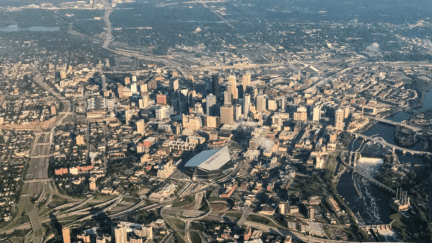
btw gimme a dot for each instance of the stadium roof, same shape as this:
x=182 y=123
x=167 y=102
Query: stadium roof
x=210 y=159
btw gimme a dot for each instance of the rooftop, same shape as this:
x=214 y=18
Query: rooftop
x=210 y=159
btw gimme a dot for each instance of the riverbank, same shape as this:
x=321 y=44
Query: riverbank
x=422 y=88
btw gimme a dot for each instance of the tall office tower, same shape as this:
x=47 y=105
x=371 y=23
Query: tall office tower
x=246 y=80
x=63 y=74
x=284 y=208
x=277 y=119
x=120 y=91
x=127 y=81
x=128 y=116
x=339 y=117
x=134 y=88
x=152 y=84
x=347 y=111
x=53 y=110
x=282 y=104
x=103 y=88
x=235 y=95
x=134 y=79
x=160 y=113
x=191 y=122
x=272 y=105
x=216 y=88
x=141 y=127
x=254 y=92
x=211 y=121
x=238 y=112
x=246 y=104
x=227 y=95
x=143 y=88
x=66 y=235
x=198 y=109
x=233 y=82
x=147 y=231
x=174 y=84
x=301 y=114
x=191 y=79
x=227 y=114
x=144 y=101
x=261 y=102
x=311 y=213
x=120 y=234
x=210 y=104
x=316 y=114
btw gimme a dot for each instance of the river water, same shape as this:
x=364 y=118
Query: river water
x=427 y=103
x=367 y=201
x=15 y=28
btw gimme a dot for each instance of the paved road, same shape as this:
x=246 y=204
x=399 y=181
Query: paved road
x=198 y=200
x=37 y=168
x=294 y=235
x=247 y=211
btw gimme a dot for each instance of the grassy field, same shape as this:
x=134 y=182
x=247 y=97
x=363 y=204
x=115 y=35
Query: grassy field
x=216 y=207
x=234 y=214
x=331 y=164
x=131 y=199
x=397 y=220
x=176 y=223
x=186 y=201
x=179 y=239
x=328 y=232
x=213 y=199
x=194 y=237
x=261 y=220
x=43 y=211
x=104 y=197
x=204 y=207
x=196 y=226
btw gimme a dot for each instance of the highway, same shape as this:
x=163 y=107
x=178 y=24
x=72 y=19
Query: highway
x=139 y=55
x=285 y=232
x=198 y=200
x=36 y=177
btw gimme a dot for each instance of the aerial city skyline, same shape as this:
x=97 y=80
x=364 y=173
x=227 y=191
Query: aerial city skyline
x=164 y=121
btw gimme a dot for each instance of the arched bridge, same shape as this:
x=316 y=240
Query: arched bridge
x=389 y=145
x=383 y=120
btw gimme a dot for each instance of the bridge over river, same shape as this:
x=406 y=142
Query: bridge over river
x=392 y=146
x=369 y=178
x=390 y=122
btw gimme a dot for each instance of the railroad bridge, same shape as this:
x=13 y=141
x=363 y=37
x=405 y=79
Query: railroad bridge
x=364 y=175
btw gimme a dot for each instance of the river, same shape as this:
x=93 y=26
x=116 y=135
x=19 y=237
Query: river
x=15 y=28
x=366 y=200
